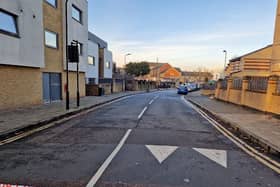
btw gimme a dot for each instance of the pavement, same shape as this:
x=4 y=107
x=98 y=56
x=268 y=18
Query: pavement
x=147 y=140
x=15 y=120
x=263 y=127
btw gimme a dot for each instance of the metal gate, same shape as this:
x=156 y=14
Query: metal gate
x=51 y=87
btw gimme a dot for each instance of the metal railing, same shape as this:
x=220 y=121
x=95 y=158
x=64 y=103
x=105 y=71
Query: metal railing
x=224 y=84
x=258 y=84
x=278 y=87
x=237 y=83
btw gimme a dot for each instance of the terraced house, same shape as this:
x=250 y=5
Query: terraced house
x=32 y=37
x=253 y=79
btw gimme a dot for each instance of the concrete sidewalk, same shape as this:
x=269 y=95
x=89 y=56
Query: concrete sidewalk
x=262 y=127
x=13 y=121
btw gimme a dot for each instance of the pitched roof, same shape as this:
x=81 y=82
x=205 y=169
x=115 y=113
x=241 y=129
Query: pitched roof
x=239 y=58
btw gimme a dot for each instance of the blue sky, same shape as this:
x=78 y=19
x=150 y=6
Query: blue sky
x=186 y=33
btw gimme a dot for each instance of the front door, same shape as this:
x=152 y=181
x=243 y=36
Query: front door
x=51 y=87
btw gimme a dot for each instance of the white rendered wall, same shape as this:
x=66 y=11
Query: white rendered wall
x=92 y=71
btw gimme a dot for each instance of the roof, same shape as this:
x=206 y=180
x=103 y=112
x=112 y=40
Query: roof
x=92 y=37
x=239 y=58
x=192 y=73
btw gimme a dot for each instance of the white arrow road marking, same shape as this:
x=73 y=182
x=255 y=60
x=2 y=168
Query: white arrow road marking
x=218 y=156
x=161 y=153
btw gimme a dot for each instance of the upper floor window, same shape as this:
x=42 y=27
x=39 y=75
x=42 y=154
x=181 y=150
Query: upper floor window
x=51 y=39
x=108 y=65
x=8 y=23
x=52 y=2
x=91 y=60
x=76 y=14
x=80 y=47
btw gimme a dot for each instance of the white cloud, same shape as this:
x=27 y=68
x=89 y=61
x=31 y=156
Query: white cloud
x=188 y=51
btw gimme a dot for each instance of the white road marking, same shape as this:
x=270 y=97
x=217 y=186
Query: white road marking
x=272 y=164
x=218 y=156
x=11 y=185
x=107 y=162
x=142 y=113
x=161 y=153
x=151 y=102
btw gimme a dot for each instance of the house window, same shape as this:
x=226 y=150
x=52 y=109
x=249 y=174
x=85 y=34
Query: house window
x=108 y=65
x=91 y=60
x=80 y=46
x=8 y=23
x=76 y=14
x=52 y=2
x=51 y=39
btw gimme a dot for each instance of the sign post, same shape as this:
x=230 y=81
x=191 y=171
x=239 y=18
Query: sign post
x=73 y=54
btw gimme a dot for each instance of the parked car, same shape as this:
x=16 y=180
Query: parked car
x=182 y=90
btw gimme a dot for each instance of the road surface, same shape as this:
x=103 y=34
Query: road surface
x=148 y=140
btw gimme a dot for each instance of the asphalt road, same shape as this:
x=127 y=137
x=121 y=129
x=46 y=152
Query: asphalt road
x=148 y=140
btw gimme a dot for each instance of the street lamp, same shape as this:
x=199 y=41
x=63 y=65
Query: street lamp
x=128 y=54
x=225 y=51
x=67 y=60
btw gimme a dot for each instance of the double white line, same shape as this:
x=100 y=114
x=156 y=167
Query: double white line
x=272 y=164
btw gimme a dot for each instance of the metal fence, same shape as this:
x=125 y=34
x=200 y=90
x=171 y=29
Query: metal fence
x=224 y=84
x=258 y=84
x=105 y=81
x=278 y=87
x=237 y=83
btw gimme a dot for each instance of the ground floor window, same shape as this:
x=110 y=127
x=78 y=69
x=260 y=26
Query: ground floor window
x=52 y=90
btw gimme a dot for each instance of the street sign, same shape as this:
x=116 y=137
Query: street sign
x=73 y=53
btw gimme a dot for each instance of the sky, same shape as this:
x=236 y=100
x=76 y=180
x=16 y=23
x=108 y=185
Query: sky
x=189 y=34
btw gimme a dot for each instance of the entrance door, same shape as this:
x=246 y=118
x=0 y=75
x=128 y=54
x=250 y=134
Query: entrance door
x=51 y=87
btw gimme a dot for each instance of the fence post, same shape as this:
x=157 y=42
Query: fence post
x=229 y=86
x=245 y=82
x=271 y=89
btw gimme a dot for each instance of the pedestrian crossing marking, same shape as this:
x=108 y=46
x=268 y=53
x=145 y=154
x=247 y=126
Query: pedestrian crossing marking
x=161 y=153
x=218 y=156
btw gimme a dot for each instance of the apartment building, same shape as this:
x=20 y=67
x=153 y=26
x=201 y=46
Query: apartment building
x=33 y=61
x=100 y=64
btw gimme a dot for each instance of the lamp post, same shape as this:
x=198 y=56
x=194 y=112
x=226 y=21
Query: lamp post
x=126 y=55
x=225 y=51
x=67 y=60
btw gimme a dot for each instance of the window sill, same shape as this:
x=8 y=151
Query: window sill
x=9 y=34
x=51 y=47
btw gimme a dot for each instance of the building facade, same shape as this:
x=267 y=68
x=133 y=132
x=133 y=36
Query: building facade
x=253 y=80
x=32 y=63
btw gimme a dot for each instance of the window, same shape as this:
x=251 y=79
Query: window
x=91 y=60
x=108 y=65
x=52 y=2
x=76 y=14
x=80 y=46
x=51 y=39
x=8 y=23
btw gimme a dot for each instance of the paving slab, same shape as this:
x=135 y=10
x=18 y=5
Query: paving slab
x=17 y=119
x=264 y=127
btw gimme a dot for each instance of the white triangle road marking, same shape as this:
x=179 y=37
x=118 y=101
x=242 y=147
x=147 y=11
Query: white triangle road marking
x=218 y=156
x=160 y=152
